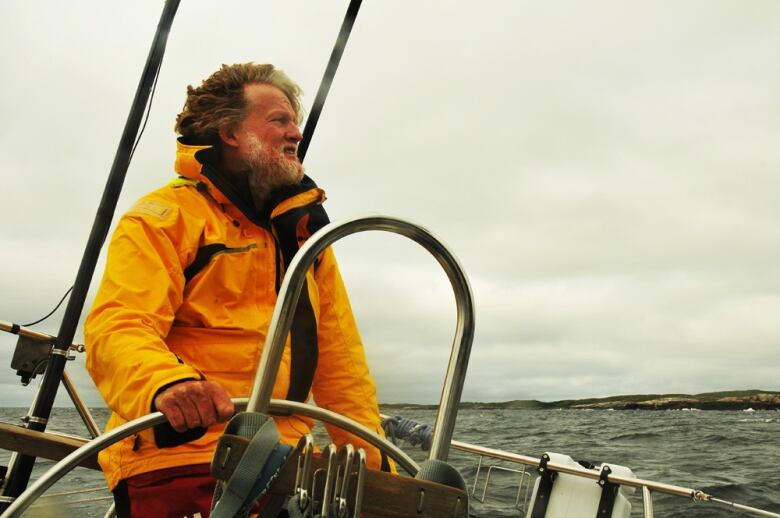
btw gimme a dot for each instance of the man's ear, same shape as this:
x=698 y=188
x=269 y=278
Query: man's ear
x=227 y=134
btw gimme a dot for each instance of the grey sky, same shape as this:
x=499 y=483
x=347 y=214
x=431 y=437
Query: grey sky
x=607 y=173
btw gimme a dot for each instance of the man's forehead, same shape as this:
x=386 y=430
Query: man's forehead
x=266 y=96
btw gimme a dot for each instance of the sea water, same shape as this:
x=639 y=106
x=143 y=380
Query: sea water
x=732 y=455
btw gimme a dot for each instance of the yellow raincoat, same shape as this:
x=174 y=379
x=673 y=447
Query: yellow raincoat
x=188 y=293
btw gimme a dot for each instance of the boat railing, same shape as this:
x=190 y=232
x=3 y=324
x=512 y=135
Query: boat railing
x=647 y=487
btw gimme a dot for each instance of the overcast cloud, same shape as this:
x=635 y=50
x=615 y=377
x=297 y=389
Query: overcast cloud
x=607 y=173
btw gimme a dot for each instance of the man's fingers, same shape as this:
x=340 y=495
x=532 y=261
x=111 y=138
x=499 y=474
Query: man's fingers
x=203 y=406
x=189 y=408
x=172 y=412
x=194 y=404
x=223 y=406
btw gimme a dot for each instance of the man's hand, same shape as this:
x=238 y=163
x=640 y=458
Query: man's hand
x=193 y=404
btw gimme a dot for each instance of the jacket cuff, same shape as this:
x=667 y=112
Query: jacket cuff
x=166 y=437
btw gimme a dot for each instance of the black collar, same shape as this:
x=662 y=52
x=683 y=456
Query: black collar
x=237 y=190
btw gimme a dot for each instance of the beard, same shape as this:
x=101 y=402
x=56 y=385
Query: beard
x=268 y=170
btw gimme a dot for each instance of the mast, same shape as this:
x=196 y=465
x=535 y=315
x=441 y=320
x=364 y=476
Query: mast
x=19 y=473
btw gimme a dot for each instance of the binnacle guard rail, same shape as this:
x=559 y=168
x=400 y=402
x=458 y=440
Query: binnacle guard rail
x=284 y=310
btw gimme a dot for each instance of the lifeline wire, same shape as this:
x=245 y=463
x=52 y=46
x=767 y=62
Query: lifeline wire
x=734 y=505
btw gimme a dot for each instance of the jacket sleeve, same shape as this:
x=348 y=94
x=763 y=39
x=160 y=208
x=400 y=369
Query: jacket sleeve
x=342 y=382
x=134 y=309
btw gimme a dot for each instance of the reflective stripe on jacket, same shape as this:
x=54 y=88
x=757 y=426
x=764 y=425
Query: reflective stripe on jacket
x=188 y=293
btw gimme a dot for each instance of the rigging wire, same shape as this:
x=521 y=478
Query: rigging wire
x=148 y=112
x=52 y=311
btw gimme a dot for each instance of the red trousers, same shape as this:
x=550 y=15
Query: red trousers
x=181 y=492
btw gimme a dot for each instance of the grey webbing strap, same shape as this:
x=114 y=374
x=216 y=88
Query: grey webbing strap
x=232 y=496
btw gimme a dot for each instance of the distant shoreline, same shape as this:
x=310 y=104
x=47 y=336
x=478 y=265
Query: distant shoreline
x=755 y=399
x=728 y=400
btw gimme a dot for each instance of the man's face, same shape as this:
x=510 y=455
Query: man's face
x=268 y=138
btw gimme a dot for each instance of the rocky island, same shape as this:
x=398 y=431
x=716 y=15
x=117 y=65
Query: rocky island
x=757 y=400
x=729 y=400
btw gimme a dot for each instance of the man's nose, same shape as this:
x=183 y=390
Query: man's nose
x=294 y=133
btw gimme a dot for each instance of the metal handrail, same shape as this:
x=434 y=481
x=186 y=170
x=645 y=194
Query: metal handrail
x=290 y=290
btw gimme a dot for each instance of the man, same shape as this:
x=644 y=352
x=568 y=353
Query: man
x=190 y=285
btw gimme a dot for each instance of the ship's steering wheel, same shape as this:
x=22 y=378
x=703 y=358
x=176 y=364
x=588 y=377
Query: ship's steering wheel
x=277 y=406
